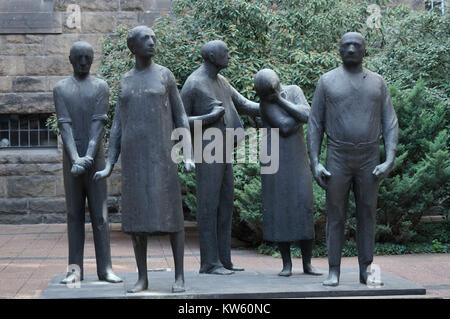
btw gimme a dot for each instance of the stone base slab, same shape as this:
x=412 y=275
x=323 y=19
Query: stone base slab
x=241 y=285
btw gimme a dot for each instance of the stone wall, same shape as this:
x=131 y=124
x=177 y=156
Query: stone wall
x=32 y=187
x=31 y=64
x=31 y=183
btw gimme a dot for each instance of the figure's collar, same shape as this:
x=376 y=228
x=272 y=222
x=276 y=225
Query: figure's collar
x=361 y=70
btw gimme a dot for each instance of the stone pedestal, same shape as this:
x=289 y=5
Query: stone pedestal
x=241 y=285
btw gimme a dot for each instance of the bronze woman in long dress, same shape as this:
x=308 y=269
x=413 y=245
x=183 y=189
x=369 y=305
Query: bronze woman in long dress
x=287 y=196
x=148 y=109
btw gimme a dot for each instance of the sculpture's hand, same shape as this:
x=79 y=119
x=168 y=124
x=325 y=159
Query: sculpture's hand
x=382 y=170
x=189 y=166
x=218 y=111
x=77 y=170
x=273 y=97
x=85 y=162
x=104 y=173
x=321 y=175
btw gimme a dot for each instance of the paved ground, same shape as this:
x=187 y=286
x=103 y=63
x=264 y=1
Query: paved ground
x=30 y=255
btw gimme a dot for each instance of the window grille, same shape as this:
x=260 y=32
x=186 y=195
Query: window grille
x=26 y=131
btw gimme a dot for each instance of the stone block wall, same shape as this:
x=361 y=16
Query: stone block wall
x=31 y=183
x=31 y=64
x=32 y=187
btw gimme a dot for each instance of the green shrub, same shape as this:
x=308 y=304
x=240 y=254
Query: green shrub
x=421 y=176
x=416 y=47
x=247 y=217
x=349 y=249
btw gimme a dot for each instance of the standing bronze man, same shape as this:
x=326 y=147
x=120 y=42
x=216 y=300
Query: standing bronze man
x=81 y=103
x=209 y=98
x=353 y=107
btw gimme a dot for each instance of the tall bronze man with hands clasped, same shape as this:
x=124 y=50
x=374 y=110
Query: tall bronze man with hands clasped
x=352 y=107
x=81 y=103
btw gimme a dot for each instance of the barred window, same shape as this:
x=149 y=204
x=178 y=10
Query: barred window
x=26 y=131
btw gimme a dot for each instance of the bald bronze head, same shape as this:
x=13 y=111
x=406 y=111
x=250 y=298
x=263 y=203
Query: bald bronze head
x=216 y=53
x=352 y=48
x=267 y=84
x=81 y=57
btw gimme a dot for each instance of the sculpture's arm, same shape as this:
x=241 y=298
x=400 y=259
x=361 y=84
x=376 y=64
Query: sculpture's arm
x=243 y=105
x=389 y=127
x=276 y=119
x=315 y=130
x=115 y=137
x=65 y=126
x=188 y=96
x=179 y=116
x=99 y=120
x=316 y=123
x=114 y=145
x=299 y=108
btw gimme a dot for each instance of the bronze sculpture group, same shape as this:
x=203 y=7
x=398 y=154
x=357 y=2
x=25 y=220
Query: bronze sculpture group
x=351 y=106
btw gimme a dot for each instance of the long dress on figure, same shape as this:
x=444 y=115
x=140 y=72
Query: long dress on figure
x=149 y=108
x=287 y=197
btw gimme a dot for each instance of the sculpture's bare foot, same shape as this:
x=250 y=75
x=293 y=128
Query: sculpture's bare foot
x=308 y=269
x=234 y=268
x=371 y=282
x=333 y=279
x=365 y=279
x=286 y=272
x=220 y=271
x=141 y=285
x=71 y=278
x=178 y=286
x=110 y=277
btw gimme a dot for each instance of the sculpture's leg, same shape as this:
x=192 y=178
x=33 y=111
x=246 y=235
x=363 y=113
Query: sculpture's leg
x=338 y=188
x=224 y=219
x=140 y=252
x=177 y=242
x=366 y=192
x=209 y=179
x=75 y=201
x=285 y=250
x=307 y=246
x=99 y=217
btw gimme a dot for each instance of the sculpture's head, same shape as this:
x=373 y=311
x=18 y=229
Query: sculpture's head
x=267 y=84
x=81 y=57
x=216 y=52
x=141 y=41
x=352 y=48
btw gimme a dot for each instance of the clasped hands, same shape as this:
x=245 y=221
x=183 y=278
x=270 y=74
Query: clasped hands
x=81 y=165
